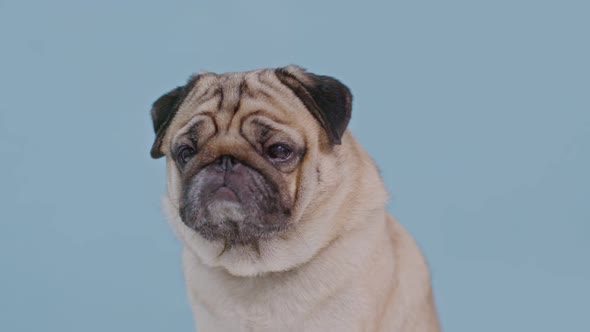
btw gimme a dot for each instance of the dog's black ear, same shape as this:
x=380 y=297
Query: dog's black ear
x=163 y=110
x=326 y=98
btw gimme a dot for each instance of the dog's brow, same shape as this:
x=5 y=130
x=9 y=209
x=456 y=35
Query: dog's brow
x=266 y=115
x=191 y=128
x=193 y=131
x=259 y=123
x=265 y=128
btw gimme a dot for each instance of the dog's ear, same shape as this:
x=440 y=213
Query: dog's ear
x=326 y=98
x=163 y=110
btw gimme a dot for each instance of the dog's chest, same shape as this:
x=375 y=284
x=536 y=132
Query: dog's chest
x=220 y=305
x=245 y=308
x=330 y=316
x=240 y=318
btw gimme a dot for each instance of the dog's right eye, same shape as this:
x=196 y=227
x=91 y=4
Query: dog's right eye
x=279 y=152
x=185 y=153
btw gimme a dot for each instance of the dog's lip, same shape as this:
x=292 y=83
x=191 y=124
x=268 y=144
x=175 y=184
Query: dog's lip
x=225 y=193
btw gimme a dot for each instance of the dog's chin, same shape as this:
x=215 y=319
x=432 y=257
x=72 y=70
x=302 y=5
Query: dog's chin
x=238 y=260
x=235 y=224
x=222 y=212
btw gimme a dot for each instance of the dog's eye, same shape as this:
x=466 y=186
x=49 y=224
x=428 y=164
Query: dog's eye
x=185 y=153
x=279 y=152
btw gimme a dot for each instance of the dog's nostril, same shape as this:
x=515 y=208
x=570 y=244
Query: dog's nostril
x=226 y=163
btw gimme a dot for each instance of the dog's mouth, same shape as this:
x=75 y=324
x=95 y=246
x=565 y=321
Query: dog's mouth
x=225 y=193
x=238 y=208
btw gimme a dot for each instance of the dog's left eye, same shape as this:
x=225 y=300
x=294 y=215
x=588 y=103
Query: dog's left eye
x=279 y=152
x=185 y=153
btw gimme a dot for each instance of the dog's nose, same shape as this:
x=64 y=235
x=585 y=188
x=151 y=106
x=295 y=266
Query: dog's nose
x=226 y=163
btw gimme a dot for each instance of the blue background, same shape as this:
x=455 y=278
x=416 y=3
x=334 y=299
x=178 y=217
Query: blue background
x=478 y=114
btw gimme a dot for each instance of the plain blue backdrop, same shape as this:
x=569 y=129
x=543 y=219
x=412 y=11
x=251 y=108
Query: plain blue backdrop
x=477 y=112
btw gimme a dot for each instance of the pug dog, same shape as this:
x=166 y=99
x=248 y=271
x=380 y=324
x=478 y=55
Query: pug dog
x=281 y=213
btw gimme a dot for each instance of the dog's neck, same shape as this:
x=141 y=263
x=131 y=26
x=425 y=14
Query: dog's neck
x=218 y=297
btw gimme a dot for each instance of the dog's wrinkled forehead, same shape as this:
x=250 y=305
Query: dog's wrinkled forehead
x=218 y=92
x=285 y=89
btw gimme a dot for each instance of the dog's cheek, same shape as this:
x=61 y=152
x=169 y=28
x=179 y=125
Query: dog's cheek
x=174 y=182
x=288 y=188
x=191 y=200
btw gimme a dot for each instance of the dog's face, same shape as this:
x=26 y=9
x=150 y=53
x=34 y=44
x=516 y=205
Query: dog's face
x=249 y=153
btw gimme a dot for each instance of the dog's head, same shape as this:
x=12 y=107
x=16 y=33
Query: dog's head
x=250 y=155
